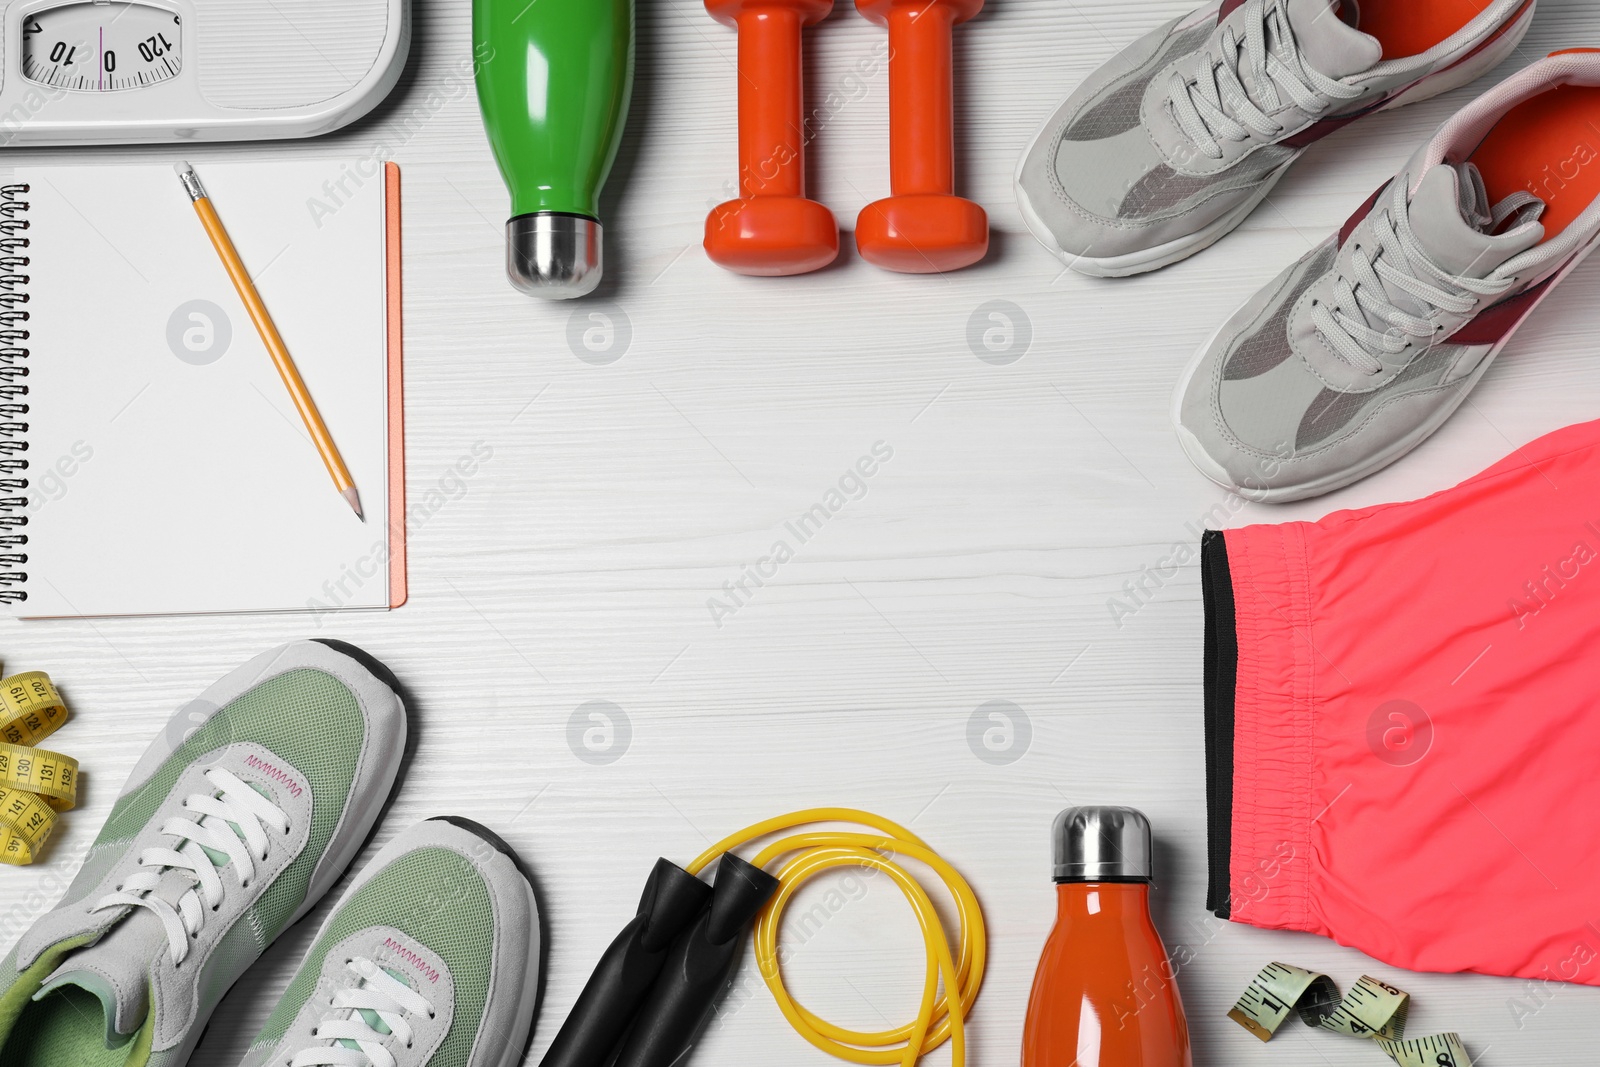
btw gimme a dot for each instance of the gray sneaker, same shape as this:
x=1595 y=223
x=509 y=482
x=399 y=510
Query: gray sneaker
x=242 y=814
x=1359 y=351
x=431 y=959
x=1170 y=145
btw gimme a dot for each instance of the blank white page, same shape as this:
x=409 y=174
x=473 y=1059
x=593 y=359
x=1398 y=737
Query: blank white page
x=166 y=478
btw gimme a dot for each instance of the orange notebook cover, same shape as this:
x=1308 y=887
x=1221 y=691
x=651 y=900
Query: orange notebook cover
x=397 y=389
x=167 y=470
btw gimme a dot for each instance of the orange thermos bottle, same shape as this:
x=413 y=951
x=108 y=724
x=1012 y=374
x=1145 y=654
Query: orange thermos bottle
x=1104 y=995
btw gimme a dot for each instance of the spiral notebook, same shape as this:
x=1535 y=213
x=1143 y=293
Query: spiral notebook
x=152 y=460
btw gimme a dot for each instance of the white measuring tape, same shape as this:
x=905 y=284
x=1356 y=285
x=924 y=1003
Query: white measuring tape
x=1372 y=1009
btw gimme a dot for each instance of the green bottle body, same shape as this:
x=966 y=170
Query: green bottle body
x=554 y=80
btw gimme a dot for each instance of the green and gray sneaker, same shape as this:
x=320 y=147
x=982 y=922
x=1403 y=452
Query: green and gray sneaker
x=245 y=811
x=431 y=959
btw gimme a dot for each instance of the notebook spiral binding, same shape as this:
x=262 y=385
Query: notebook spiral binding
x=13 y=392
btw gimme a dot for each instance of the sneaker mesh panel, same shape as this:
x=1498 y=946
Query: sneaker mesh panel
x=435 y=896
x=1119 y=110
x=96 y=865
x=1163 y=191
x=1268 y=345
x=309 y=719
x=1332 y=411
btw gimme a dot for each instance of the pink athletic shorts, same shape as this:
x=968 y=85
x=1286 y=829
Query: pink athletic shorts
x=1403 y=721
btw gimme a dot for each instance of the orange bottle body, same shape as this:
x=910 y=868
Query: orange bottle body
x=1104 y=994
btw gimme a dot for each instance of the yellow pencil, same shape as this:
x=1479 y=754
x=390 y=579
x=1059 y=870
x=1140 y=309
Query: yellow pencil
x=269 y=337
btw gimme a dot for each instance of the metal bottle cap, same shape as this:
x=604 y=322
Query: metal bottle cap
x=554 y=256
x=1102 y=844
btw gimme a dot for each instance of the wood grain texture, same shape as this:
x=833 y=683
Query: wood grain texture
x=976 y=564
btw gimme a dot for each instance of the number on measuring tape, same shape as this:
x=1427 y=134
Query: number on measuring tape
x=35 y=783
x=1372 y=1010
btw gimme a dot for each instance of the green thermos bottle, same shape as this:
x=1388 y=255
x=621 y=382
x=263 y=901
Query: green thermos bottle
x=554 y=78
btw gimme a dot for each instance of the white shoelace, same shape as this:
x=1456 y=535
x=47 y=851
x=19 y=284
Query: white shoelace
x=379 y=992
x=1398 y=260
x=234 y=803
x=1217 y=105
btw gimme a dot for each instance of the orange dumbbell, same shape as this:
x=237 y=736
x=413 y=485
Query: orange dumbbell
x=772 y=229
x=923 y=227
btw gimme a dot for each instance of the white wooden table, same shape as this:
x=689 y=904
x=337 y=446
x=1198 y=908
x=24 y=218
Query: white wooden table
x=977 y=564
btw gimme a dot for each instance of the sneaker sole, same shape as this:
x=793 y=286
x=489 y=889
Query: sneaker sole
x=1213 y=470
x=1179 y=249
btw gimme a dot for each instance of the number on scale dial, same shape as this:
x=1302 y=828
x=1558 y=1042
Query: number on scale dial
x=101 y=47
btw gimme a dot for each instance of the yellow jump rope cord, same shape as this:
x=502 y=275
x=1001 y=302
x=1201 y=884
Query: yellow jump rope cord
x=940 y=1017
x=35 y=783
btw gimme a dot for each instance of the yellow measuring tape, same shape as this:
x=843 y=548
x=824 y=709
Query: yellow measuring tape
x=941 y=1017
x=35 y=783
x=1374 y=1010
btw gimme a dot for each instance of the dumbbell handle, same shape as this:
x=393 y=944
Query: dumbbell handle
x=771 y=229
x=921 y=99
x=771 y=99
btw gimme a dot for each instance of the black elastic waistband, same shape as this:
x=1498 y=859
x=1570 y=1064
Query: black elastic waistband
x=1221 y=671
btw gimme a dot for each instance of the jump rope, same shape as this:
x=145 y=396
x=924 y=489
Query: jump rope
x=656 y=986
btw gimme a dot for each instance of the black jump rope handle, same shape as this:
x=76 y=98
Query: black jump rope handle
x=654 y=989
x=671 y=900
x=698 y=967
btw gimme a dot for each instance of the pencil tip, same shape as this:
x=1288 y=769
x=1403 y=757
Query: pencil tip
x=182 y=167
x=353 y=498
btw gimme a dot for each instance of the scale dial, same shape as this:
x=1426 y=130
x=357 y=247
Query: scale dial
x=101 y=47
